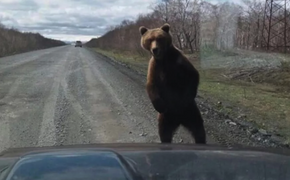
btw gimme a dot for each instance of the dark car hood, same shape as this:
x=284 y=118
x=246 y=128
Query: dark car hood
x=150 y=161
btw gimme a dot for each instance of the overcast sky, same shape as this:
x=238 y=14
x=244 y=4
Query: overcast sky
x=70 y=19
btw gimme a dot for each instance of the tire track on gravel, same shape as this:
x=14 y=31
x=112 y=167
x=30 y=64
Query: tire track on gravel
x=48 y=128
x=12 y=78
x=4 y=123
x=106 y=107
x=73 y=120
x=126 y=98
x=8 y=101
x=5 y=68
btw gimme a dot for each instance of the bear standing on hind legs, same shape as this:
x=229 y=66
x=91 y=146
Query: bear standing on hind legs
x=172 y=83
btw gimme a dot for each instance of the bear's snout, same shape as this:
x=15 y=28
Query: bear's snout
x=156 y=51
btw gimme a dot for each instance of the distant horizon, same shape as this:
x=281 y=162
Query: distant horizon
x=63 y=37
x=69 y=20
x=69 y=38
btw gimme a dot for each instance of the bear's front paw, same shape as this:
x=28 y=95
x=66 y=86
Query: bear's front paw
x=159 y=105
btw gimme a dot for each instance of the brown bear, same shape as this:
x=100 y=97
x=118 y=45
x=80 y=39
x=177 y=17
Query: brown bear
x=172 y=83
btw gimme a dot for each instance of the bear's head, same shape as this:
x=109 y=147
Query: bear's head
x=157 y=40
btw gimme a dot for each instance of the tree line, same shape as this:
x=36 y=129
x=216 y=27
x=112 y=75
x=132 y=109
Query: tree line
x=12 y=41
x=199 y=24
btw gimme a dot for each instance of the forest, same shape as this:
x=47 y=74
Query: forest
x=13 y=41
x=199 y=24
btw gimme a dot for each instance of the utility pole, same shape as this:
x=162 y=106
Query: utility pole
x=276 y=31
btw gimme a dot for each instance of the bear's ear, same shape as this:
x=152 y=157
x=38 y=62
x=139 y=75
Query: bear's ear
x=165 y=27
x=143 y=30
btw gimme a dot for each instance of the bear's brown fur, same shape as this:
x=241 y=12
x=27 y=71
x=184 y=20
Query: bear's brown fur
x=172 y=83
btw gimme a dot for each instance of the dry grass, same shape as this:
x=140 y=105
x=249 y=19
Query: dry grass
x=264 y=105
x=135 y=61
x=262 y=99
x=278 y=77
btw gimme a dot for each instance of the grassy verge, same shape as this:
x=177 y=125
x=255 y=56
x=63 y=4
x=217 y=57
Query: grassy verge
x=135 y=61
x=263 y=104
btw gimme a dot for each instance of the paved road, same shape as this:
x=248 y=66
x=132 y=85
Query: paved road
x=69 y=95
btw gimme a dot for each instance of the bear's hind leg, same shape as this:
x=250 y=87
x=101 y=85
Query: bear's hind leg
x=167 y=125
x=194 y=123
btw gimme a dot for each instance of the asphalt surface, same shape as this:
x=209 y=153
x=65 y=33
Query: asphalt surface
x=68 y=95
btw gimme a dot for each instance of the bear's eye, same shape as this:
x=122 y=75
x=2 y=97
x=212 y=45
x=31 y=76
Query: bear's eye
x=158 y=38
x=149 y=40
